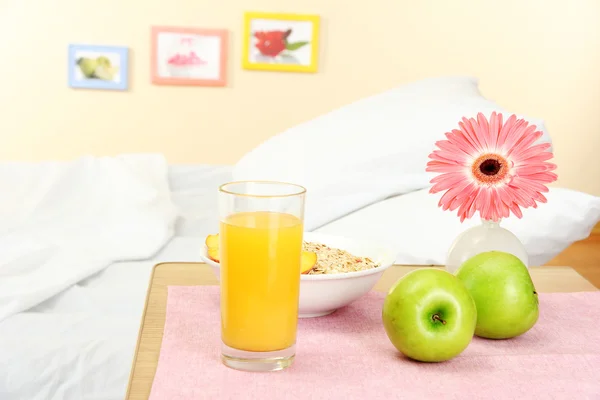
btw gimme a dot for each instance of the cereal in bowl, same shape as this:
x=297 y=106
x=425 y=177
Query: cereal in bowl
x=336 y=261
x=317 y=258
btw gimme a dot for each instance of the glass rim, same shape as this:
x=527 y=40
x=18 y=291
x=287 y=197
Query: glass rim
x=301 y=189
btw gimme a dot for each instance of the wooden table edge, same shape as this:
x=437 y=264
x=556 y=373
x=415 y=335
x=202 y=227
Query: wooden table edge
x=141 y=328
x=156 y=266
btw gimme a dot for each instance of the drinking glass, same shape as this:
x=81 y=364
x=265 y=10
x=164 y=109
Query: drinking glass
x=260 y=241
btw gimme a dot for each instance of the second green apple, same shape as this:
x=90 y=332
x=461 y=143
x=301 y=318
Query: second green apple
x=504 y=294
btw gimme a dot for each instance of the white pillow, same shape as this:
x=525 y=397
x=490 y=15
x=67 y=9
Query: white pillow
x=422 y=233
x=368 y=150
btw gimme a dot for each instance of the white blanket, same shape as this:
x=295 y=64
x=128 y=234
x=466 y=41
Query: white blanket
x=61 y=222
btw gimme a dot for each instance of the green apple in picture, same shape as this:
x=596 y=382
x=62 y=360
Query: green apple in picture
x=103 y=61
x=106 y=73
x=429 y=316
x=105 y=70
x=87 y=66
x=506 y=299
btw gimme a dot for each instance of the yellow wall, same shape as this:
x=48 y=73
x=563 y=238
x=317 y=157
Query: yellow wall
x=540 y=58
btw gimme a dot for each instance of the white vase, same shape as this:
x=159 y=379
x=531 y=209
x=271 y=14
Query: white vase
x=485 y=237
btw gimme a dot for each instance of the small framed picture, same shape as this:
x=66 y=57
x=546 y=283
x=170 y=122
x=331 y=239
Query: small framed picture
x=189 y=56
x=98 y=67
x=280 y=42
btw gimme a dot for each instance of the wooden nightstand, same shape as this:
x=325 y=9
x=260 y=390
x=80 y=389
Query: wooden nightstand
x=546 y=279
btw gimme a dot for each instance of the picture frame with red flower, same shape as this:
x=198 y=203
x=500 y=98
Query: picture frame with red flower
x=280 y=42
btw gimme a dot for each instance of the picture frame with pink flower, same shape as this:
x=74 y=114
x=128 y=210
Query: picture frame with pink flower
x=189 y=56
x=280 y=42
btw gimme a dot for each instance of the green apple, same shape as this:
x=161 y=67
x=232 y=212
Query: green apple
x=429 y=316
x=506 y=299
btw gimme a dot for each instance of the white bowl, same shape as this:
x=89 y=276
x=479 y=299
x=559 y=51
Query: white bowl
x=323 y=294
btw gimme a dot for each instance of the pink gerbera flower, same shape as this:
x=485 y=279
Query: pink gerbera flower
x=491 y=167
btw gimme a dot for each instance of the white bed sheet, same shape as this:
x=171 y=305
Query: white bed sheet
x=194 y=191
x=80 y=344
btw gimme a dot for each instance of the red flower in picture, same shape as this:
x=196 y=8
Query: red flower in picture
x=271 y=43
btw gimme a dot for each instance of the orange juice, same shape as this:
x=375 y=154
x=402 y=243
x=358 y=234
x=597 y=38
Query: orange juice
x=260 y=280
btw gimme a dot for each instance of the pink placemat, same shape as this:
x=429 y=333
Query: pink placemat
x=347 y=355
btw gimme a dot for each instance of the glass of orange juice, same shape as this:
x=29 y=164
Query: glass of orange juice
x=260 y=241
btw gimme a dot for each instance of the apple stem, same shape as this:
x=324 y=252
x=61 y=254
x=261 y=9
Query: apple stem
x=436 y=317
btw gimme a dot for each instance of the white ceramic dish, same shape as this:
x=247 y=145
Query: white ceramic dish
x=323 y=294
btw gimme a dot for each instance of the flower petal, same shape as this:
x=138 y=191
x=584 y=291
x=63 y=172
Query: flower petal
x=439 y=166
x=514 y=207
x=538 y=150
x=497 y=205
x=457 y=158
x=533 y=185
x=459 y=138
x=530 y=169
x=470 y=135
x=445 y=157
x=484 y=131
x=521 y=198
x=483 y=203
x=529 y=137
x=468 y=207
x=449 y=146
x=505 y=130
x=514 y=134
x=472 y=208
x=463 y=196
x=452 y=193
x=451 y=175
x=545 y=177
x=449 y=180
x=495 y=126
